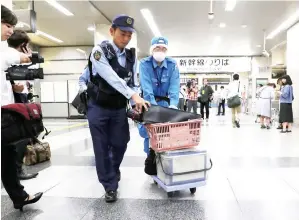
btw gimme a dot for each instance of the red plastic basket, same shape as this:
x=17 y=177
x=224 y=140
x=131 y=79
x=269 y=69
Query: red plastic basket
x=174 y=136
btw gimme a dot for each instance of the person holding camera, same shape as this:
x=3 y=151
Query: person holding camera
x=192 y=93
x=19 y=40
x=10 y=56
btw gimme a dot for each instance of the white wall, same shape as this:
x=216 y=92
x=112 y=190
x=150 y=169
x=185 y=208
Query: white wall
x=293 y=65
x=62 y=64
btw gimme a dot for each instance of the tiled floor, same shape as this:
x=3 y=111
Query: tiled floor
x=254 y=177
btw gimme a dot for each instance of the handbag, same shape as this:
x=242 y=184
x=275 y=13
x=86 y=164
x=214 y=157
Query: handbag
x=21 y=121
x=234 y=101
x=37 y=153
x=80 y=103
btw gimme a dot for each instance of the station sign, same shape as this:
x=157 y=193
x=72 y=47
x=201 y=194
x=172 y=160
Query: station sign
x=213 y=64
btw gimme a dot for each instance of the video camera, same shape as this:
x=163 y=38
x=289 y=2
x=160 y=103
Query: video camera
x=189 y=83
x=21 y=72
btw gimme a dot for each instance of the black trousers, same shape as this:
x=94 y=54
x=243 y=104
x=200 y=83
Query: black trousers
x=221 y=104
x=21 y=151
x=206 y=106
x=9 y=174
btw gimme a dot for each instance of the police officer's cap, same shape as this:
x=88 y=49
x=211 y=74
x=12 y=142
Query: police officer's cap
x=124 y=23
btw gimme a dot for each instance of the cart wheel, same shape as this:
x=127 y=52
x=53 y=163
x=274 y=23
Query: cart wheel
x=192 y=190
x=170 y=194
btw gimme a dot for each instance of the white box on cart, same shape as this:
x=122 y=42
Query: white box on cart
x=181 y=166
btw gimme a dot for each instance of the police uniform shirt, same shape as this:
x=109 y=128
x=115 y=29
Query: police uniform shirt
x=101 y=66
x=9 y=56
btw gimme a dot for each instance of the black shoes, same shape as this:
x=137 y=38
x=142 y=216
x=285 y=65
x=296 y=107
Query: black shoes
x=237 y=124
x=118 y=176
x=20 y=206
x=111 y=196
x=26 y=176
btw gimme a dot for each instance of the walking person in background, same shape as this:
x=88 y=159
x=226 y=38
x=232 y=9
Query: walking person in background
x=221 y=100
x=182 y=98
x=192 y=92
x=234 y=90
x=257 y=95
x=286 y=99
x=206 y=95
x=265 y=102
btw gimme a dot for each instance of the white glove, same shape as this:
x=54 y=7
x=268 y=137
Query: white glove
x=82 y=89
x=172 y=106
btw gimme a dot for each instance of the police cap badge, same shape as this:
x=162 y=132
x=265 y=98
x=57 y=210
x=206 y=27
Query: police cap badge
x=129 y=21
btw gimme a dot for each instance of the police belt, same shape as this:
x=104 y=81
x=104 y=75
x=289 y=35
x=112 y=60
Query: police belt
x=162 y=98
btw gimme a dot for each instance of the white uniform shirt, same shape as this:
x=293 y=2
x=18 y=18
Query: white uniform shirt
x=9 y=56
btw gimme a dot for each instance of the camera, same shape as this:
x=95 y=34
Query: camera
x=22 y=72
x=189 y=83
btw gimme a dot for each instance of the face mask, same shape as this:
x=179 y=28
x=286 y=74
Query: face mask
x=159 y=56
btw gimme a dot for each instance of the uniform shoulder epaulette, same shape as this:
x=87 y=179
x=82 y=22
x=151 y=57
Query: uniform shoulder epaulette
x=146 y=59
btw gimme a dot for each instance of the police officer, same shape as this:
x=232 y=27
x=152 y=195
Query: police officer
x=159 y=80
x=110 y=87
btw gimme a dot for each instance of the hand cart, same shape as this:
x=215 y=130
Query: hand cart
x=176 y=136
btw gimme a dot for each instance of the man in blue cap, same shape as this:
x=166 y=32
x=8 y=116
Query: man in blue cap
x=110 y=81
x=159 y=80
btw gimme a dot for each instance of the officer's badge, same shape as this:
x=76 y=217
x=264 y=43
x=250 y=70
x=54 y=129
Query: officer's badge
x=97 y=55
x=129 y=21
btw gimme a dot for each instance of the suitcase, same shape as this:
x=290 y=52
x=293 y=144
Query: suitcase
x=181 y=166
x=37 y=153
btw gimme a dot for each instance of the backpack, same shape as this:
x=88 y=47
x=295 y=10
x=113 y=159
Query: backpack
x=21 y=121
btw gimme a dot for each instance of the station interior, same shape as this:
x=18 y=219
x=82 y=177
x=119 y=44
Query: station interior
x=255 y=171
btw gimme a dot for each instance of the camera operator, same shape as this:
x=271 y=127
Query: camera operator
x=19 y=40
x=192 y=92
x=10 y=56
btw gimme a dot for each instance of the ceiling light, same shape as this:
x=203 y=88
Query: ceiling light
x=59 y=7
x=230 y=5
x=91 y=28
x=150 y=21
x=258 y=45
x=244 y=26
x=285 y=25
x=222 y=25
x=48 y=36
x=79 y=50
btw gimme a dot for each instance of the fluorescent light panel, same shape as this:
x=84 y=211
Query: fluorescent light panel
x=59 y=7
x=81 y=51
x=230 y=5
x=22 y=24
x=150 y=21
x=91 y=28
x=48 y=36
x=285 y=25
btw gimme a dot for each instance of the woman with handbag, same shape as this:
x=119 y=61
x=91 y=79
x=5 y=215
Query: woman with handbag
x=234 y=101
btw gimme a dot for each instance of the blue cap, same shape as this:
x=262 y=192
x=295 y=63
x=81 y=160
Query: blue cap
x=124 y=23
x=160 y=41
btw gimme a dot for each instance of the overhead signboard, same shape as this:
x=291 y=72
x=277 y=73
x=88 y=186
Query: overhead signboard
x=213 y=64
